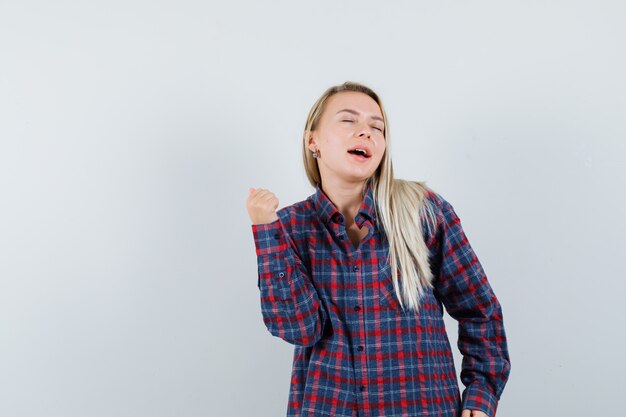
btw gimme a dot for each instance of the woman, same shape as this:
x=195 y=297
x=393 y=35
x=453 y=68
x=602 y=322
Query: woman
x=356 y=277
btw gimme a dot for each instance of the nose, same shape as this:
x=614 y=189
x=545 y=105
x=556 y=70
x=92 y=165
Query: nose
x=364 y=130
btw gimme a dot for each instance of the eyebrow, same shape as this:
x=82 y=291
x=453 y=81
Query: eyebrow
x=357 y=113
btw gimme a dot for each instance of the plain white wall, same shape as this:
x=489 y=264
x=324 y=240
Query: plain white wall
x=131 y=130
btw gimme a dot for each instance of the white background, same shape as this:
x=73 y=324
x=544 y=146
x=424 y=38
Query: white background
x=131 y=130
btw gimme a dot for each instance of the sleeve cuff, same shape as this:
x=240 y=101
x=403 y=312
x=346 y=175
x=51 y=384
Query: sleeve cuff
x=267 y=237
x=479 y=397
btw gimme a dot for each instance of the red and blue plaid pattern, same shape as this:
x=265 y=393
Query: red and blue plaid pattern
x=354 y=347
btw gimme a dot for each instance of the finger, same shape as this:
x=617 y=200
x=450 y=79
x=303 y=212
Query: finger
x=250 y=194
x=264 y=201
x=266 y=197
x=260 y=192
x=479 y=414
x=268 y=203
x=466 y=413
x=257 y=194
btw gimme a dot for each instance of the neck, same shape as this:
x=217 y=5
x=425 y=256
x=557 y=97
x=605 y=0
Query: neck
x=347 y=197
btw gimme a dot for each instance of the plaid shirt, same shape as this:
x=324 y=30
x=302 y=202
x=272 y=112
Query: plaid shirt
x=354 y=348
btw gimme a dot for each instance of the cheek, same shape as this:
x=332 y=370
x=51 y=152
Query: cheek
x=331 y=151
x=382 y=155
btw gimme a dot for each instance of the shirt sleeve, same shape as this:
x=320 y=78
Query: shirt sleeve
x=463 y=288
x=290 y=304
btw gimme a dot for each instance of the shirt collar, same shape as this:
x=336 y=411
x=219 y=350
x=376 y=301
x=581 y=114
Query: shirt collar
x=328 y=213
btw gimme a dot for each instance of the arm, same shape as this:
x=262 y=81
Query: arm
x=468 y=297
x=289 y=303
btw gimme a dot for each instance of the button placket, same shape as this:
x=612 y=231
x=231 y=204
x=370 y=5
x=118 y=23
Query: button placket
x=360 y=345
x=338 y=226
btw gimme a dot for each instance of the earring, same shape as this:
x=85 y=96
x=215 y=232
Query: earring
x=315 y=154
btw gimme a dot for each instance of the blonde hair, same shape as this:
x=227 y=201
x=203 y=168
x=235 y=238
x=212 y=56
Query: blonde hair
x=400 y=205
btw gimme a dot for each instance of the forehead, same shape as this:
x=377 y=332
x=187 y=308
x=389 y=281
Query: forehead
x=360 y=102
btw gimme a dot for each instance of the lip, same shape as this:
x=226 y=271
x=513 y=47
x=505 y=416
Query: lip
x=359 y=158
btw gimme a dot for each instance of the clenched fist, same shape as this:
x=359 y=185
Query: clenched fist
x=262 y=206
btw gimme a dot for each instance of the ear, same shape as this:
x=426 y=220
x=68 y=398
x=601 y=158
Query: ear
x=312 y=142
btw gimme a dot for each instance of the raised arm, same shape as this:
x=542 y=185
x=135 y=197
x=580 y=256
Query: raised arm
x=290 y=304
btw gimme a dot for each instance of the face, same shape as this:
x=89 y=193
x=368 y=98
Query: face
x=350 y=120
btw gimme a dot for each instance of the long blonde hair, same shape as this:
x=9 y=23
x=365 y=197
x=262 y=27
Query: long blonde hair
x=400 y=205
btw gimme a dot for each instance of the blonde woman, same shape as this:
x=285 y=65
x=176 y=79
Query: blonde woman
x=357 y=275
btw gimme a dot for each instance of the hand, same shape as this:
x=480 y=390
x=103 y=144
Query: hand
x=473 y=413
x=261 y=206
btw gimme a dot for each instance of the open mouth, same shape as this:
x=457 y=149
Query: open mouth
x=359 y=152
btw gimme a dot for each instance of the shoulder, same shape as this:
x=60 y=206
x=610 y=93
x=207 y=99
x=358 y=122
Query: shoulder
x=297 y=215
x=441 y=206
x=434 y=209
x=430 y=197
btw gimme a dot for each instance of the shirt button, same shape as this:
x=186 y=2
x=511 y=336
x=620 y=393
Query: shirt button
x=340 y=237
x=360 y=348
x=357 y=308
x=362 y=387
x=281 y=274
x=355 y=267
